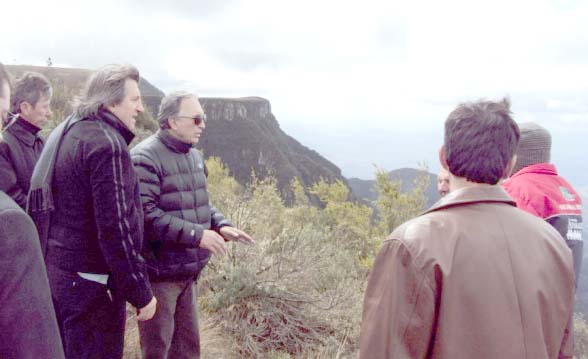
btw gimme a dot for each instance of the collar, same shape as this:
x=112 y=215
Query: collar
x=111 y=119
x=473 y=195
x=538 y=168
x=24 y=131
x=172 y=142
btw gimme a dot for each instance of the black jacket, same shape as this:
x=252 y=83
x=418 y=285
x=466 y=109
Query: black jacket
x=176 y=205
x=28 y=327
x=19 y=153
x=97 y=226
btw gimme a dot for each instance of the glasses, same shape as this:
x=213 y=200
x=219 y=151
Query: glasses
x=198 y=119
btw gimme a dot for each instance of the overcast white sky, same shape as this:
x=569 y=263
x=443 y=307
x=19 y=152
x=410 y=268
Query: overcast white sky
x=363 y=82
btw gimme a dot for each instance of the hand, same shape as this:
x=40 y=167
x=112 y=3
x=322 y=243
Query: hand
x=213 y=242
x=237 y=235
x=148 y=311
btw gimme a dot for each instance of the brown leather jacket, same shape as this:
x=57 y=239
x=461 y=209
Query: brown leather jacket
x=472 y=277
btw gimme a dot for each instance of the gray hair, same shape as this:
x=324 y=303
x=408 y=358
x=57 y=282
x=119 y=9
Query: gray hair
x=170 y=107
x=106 y=87
x=29 y=88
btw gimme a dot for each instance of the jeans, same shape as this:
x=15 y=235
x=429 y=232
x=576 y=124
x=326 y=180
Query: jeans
x=91 y=319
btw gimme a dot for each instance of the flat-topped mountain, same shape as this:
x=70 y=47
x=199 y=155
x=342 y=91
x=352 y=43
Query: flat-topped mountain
x=247 y=136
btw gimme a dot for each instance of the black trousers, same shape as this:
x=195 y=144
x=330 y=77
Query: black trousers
x=91 y=319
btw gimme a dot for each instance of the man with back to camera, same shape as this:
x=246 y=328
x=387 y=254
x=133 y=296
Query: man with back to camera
x=28 y=327
x=87 y=188
x=474 y=276
x=182 y=229
x=537 y=188
x=22 y=144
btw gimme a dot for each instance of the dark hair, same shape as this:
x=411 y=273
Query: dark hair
x=480 y=139
x=29 y=88
x=4 y=79
x=104 y=88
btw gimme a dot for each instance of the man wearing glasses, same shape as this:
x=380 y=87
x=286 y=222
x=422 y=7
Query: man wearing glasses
x=182 y=229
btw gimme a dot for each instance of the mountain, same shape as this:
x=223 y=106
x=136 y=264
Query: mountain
x=366 y=189
x=245 y=134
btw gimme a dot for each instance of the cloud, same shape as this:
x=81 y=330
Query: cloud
x=342 y=77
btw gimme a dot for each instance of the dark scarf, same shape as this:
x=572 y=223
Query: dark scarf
x=40 y=199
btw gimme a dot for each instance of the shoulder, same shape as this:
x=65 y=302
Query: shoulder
x=6 y=203
x=97 y=139
x=13 y=220
x=147 y=146
x=419 y=235
x=8 y=141
x=148 y=152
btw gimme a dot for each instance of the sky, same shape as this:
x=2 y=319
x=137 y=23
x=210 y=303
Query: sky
x=365 y=83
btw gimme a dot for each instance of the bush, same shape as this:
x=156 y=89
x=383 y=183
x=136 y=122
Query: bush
x=298 y=292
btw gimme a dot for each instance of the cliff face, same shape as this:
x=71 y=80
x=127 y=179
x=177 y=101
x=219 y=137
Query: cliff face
x=244 y=133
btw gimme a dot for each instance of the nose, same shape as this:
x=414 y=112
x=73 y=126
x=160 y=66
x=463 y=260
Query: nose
x=49 y=113
x=140 y=108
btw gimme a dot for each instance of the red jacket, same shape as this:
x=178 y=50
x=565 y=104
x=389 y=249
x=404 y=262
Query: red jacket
x=539 y=190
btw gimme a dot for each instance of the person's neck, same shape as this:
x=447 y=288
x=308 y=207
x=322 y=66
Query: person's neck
x=456 y=183
x=33 y=127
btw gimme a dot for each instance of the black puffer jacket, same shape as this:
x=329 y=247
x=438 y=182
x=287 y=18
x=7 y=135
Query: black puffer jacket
x=176 y=206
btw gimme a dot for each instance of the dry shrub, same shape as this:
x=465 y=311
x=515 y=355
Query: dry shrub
x=273 y=325
x=298 y=291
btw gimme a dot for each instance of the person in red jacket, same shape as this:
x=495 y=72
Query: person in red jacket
x=537 y=188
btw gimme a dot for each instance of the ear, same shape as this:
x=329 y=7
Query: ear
x=111 y=107
x=172 y=123
x=25 y=107
x=443 y=158
x=510 y=166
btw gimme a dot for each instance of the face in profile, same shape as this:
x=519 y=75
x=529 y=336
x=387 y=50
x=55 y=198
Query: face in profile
x=131 y=105
x=40 y=113
x=443 y=182
x=189 y=124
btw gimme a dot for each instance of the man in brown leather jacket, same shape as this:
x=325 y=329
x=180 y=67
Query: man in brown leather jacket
x=472 y=277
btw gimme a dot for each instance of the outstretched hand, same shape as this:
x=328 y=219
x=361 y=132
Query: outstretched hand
x=237 y=235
